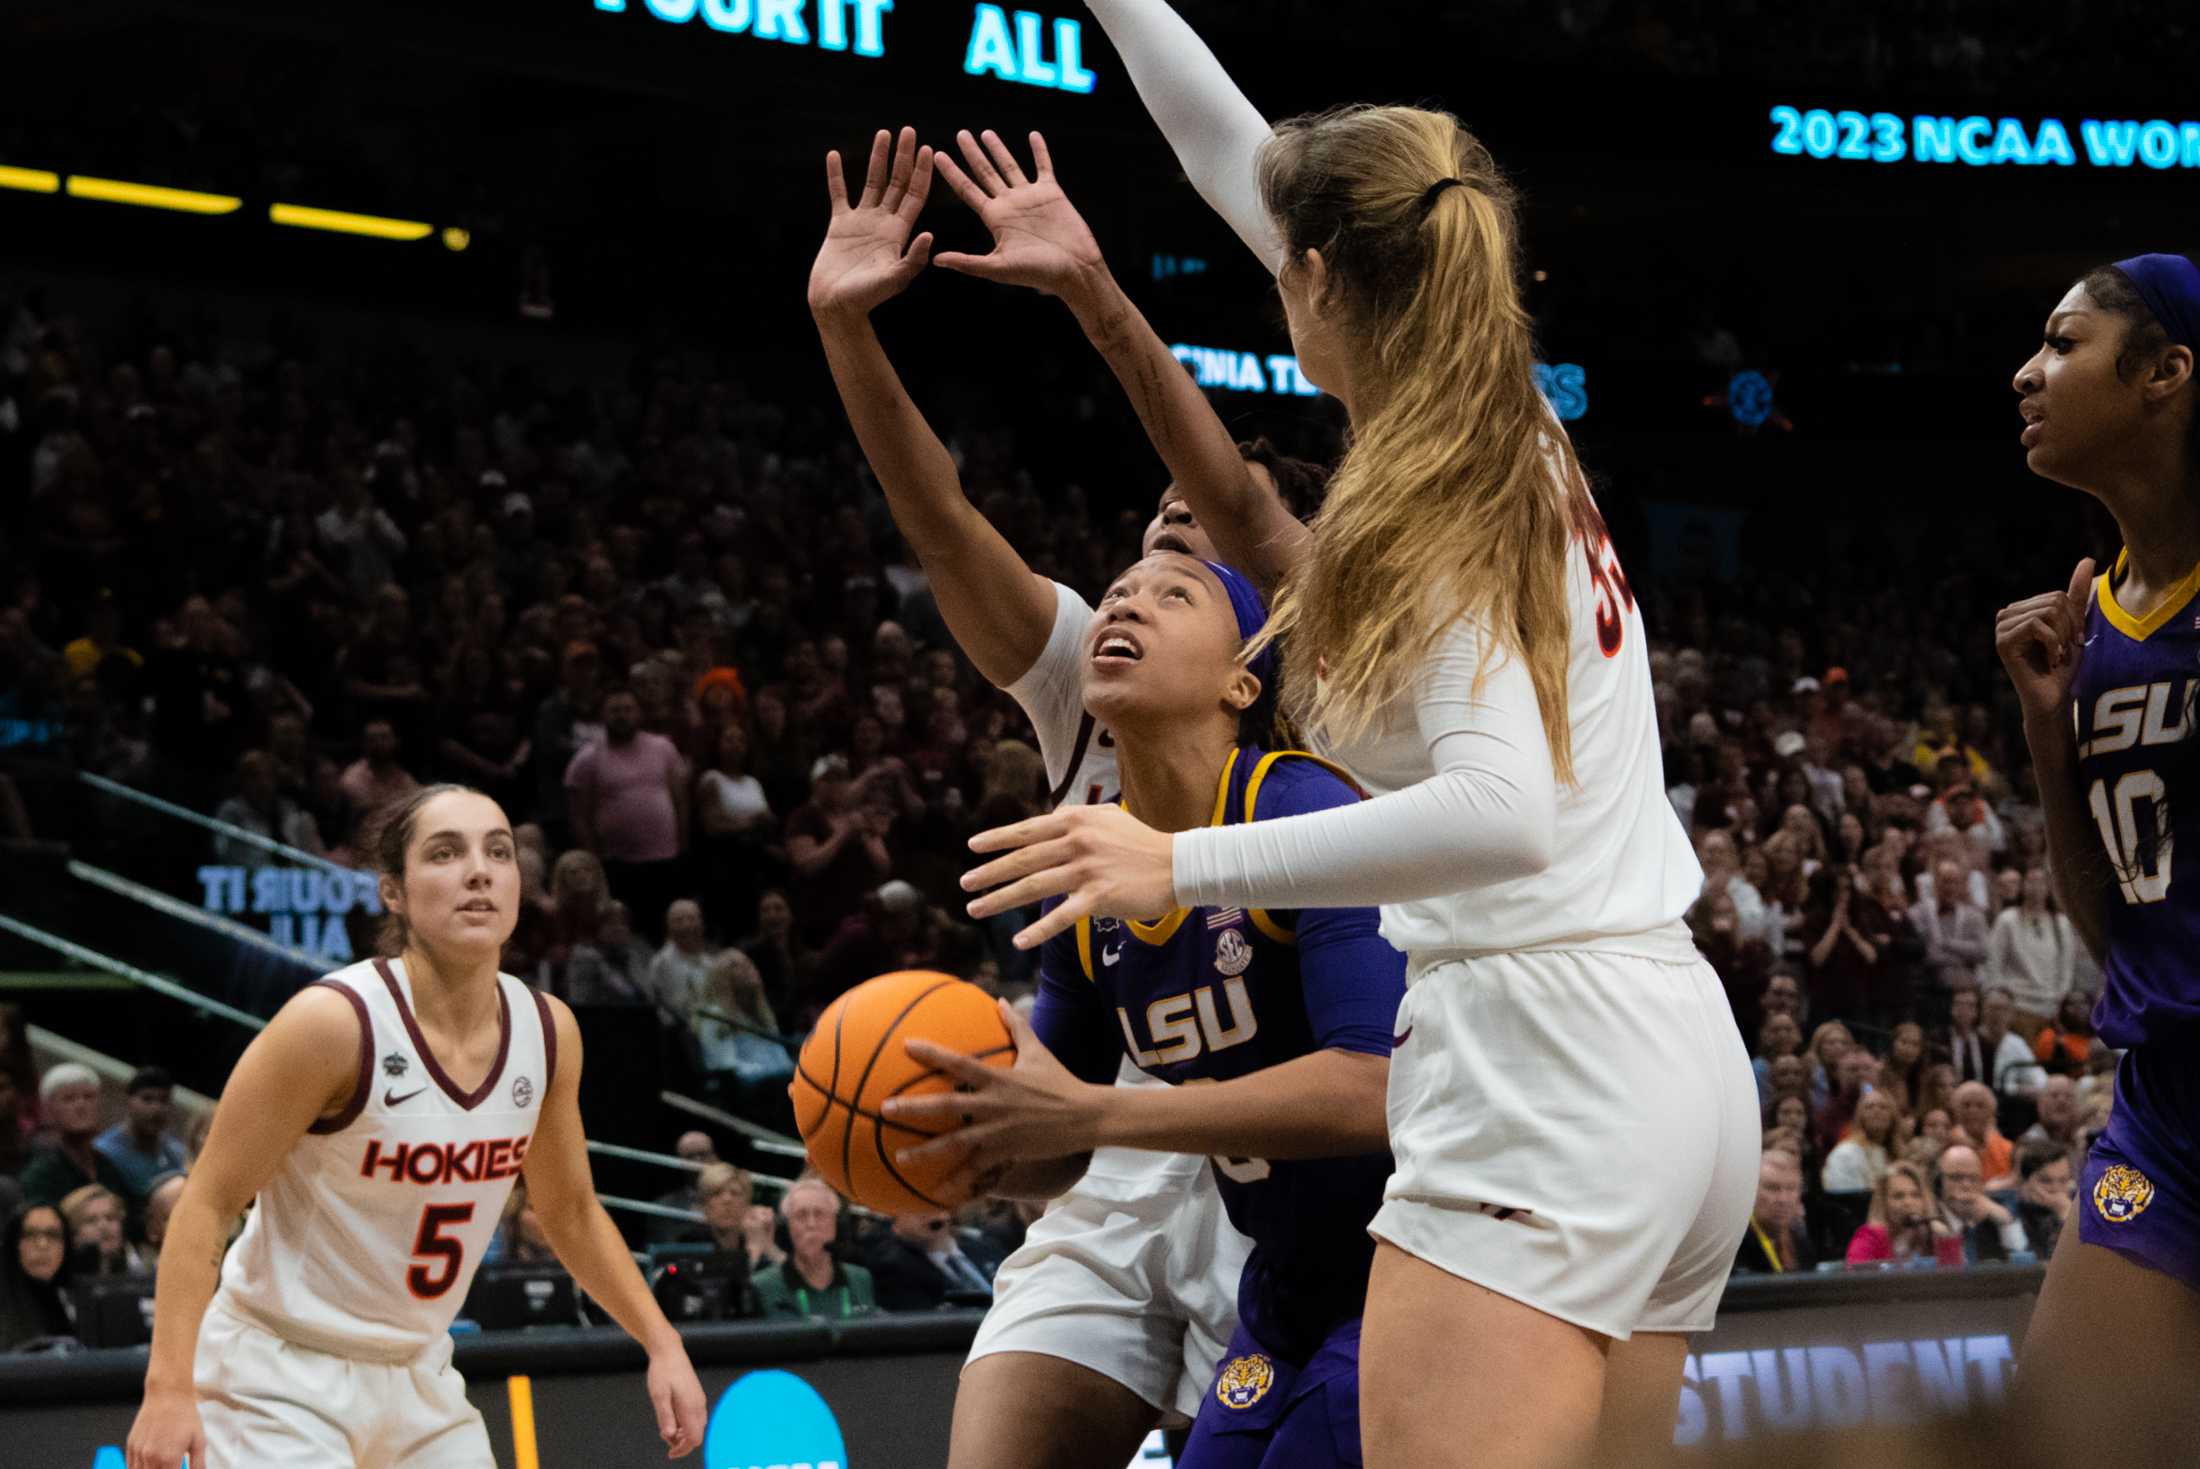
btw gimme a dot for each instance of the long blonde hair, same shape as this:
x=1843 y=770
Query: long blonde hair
x=1444 y=503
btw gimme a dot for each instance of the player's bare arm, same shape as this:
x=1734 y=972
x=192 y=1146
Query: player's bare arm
x=563 y=1193
x=1040 y=241
x=999 y=610
x=2041 y=640
x=1325 y=1104
x=303 y=1067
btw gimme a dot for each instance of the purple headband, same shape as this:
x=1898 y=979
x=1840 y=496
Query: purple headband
x=2170 y=285
x=1252 y=616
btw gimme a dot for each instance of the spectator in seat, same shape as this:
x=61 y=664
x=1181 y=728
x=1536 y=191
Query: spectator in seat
x=691 y=1147
x=1853 y=1079
x=160 y=1204
x=1780 y=1036
x=733 y=1221
x=811 y=1281
x=2033 y=950
x=261 y=808
x=837 y=849
x=375 y=779
x=924 y=1257
x=627 y=800
x=1937 y=1125
x=1847 y=935
x=679 y=974
x=1783 y=995
x=1976 y=1107
x=566 y=722
x=2065 y=1044
x=1874 y=1138
x=776 y=950
x=736 y=1039
x=739 y=832
x=1828 y=1044
x=889 y=934
x=144 y=1145
x=69 y=1097
x=1902 y=1074
x=1965 y=1048
x=2057 y=1125
x=1954 y=929
x=1738 y=957
x=1776 y=1242
x=1989 y=1230
x=2017 y=1071
x=34 y=1277
x=1904 y=1223
x=96 y=1243
x=2044 y=1198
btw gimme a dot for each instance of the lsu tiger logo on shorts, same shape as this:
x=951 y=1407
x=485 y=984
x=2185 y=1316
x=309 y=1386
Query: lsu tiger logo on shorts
x=1245 y=1381
x=2122 y=1195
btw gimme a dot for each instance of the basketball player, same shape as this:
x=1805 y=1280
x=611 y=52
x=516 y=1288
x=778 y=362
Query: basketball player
x=376 y=1127
x=2106 y=672
x=1117 y=1307
x=1287 y=1014
x=1460 y=635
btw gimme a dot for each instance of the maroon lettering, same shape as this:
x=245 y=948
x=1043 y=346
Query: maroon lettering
x=395 y=1162
x=466 y=1163
x=434 y=1156
x=495 y=1165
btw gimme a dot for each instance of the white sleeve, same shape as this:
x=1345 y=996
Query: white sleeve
x=1052 y=690
x=1215 y=132
x=1488 y=815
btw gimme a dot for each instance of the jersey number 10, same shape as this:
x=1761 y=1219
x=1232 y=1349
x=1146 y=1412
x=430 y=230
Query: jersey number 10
x=2142 y=867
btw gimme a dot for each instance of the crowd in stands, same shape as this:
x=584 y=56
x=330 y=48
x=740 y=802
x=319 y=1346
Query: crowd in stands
x=668 y=624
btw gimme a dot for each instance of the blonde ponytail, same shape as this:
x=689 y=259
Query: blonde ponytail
x=1445 y=505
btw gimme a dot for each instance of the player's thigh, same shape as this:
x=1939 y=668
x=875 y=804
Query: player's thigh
x=1452 y=1373
x=431 y=1422
x=1027 y=1410
x=2110 y=1356
x=1642 y=1398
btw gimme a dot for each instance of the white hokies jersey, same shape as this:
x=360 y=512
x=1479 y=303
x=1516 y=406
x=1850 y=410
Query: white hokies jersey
x=1620 y=863
x=364 y=1242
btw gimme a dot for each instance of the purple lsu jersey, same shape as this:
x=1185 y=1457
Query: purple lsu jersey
x=2133 y=706
x=1208 y=995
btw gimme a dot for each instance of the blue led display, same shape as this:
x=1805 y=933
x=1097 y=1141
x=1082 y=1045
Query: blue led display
x=1982 y=142
x=1228 y=370
x=1020 y=55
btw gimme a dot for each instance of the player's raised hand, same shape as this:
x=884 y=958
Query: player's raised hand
x=167 y=1429
x=1039 y=238
x=868 y=257
x=2041 y=640
x=1101 y=861
x=676 y=1396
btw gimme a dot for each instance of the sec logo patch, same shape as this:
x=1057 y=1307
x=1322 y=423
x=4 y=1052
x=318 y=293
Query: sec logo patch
x=1245 y=1381
x=2122 y=1195
x=1233 y=956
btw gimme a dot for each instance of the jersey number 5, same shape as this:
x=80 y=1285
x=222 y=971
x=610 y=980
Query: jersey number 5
x=1615 y=598
x=445 y=1257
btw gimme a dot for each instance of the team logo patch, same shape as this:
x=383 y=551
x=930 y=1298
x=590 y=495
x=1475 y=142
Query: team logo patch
x=1245 y=1381
x=2122 y=1195
x=395 y=1064
x=523 y=1092
x=1232 y=954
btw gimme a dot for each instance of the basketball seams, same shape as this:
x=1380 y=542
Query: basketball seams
x=878 y=1049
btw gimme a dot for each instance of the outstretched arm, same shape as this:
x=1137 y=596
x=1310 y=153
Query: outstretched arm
x=1215 y=133
x=998 y=609
x=1040 y=241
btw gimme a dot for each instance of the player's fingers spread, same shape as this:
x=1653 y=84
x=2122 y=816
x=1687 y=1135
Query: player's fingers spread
x=920 y=254
x=1053 y=923
x=954 y=1063
x=904 y=168
x=1003 y=159
x=1020 y=834
x=874 y=173
x=965 y=187
x=1042 y=161
x=920 y=184
x=836 y=183
x=1053 y=882
x=984 y=267
x=981 y=167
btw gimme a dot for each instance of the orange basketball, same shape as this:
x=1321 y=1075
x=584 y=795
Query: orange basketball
x=857 y=1058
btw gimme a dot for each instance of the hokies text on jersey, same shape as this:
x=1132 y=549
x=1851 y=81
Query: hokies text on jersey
x=428 y=1164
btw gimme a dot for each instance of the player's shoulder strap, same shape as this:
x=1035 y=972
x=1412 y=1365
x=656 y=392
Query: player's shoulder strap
x=1085 y=946
x=1261 y=919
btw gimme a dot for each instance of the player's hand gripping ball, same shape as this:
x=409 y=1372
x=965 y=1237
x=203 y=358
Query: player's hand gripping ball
x=857 y=1058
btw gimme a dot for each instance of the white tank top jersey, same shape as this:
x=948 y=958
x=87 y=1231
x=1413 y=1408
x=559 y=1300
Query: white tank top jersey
x=1080 y=760
x=364 y=1242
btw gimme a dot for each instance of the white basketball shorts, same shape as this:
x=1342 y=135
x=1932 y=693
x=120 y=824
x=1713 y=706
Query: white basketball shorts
x=265 y=1401
x=1133 y=1274
x=1577 y=1130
